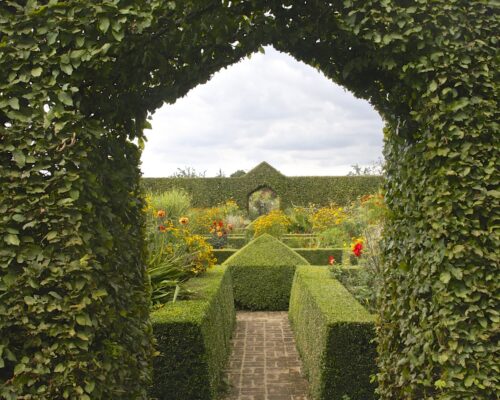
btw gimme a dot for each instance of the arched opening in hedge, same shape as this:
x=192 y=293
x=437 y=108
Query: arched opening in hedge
x=78 y=81
x=262 y=201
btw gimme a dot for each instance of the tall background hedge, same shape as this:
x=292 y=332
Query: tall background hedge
x=294 y=190
x=78 y=80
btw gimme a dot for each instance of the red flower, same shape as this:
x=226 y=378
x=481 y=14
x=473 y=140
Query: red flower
x=221 y=224
x=358 y=249
x=162 y=228
x=331 y=260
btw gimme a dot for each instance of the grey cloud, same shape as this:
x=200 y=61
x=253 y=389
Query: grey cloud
x=267 y=108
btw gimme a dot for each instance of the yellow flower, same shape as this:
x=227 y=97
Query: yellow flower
x=183 y=220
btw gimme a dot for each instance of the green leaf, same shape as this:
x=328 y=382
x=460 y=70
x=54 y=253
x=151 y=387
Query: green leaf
x=59 y=368
x=19 y=158
x=19 y=368
x=67 y=69
x=65 y=98
x=36 y=71
x=51 y=235
x=14 y=103
x=12 y=239
x=445 y=277
x=104 y=24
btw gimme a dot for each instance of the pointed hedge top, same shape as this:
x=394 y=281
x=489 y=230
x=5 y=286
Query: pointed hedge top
x=263 y=168
x=266 y=250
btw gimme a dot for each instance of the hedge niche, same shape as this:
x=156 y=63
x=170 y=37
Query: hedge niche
x=293 y=190
x=262 y=273
x=193 y=340
x=78 y=80
x=334 y=335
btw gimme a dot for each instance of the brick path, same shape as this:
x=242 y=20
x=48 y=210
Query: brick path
x=264 y=364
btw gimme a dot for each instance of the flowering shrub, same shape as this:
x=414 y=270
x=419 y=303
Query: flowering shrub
x=357 y=247
x=275 y=223
x=201 y=219
x=175 y=255
x=219 y=232
x=300 y=219
x=327 y=217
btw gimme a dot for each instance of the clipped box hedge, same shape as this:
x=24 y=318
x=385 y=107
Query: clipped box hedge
x=334 y=336
x=321 y=256
x=193 y=339
x=262 y=274
x=223 y=254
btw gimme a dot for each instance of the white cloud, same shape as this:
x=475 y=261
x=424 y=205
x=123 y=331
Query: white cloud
x=268 y=108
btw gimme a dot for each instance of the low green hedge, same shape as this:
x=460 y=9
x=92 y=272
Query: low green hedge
x=320 y=256
x=193 y=339
x=223 y=254
x=262 y=273
x=334 y=336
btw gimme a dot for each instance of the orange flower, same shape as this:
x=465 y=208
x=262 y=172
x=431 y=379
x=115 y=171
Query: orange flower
x=183 y=220
x=161 y=214
x=162 y=228
x=219 y=234
x=230 y=227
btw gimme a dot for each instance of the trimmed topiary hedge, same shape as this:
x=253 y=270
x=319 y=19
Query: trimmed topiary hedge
x=334 y=336
x=297 y=190
x=193 y=339
x=262 y=273
x=223 y=254
x=320 y=256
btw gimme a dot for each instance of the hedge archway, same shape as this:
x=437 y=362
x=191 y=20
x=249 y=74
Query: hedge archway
x=78 y=80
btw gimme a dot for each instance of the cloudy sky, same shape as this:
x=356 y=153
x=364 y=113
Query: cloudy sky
x=267 y=108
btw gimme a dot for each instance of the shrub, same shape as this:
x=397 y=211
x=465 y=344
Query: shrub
x=223 y=254
x=174 y=255
x=321 y=256
x=262 y=273
x=275 y=223
x=327 y=217
x=193 y=340
x=300 y=219
x=334 y=336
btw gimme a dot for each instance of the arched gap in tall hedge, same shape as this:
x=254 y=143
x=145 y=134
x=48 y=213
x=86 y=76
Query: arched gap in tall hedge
x=262 y=200
x=77 y=83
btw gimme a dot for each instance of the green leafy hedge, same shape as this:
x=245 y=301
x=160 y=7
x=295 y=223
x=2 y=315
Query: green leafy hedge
x=262 y=273
x=334 y=336
x=320 y=256
x=223 y=254
x=298 y=190
x=193 y=339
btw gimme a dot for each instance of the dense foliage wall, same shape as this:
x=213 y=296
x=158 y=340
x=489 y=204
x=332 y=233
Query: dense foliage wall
x=297 y=190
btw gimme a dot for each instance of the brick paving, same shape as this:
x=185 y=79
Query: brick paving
x=264 y=364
